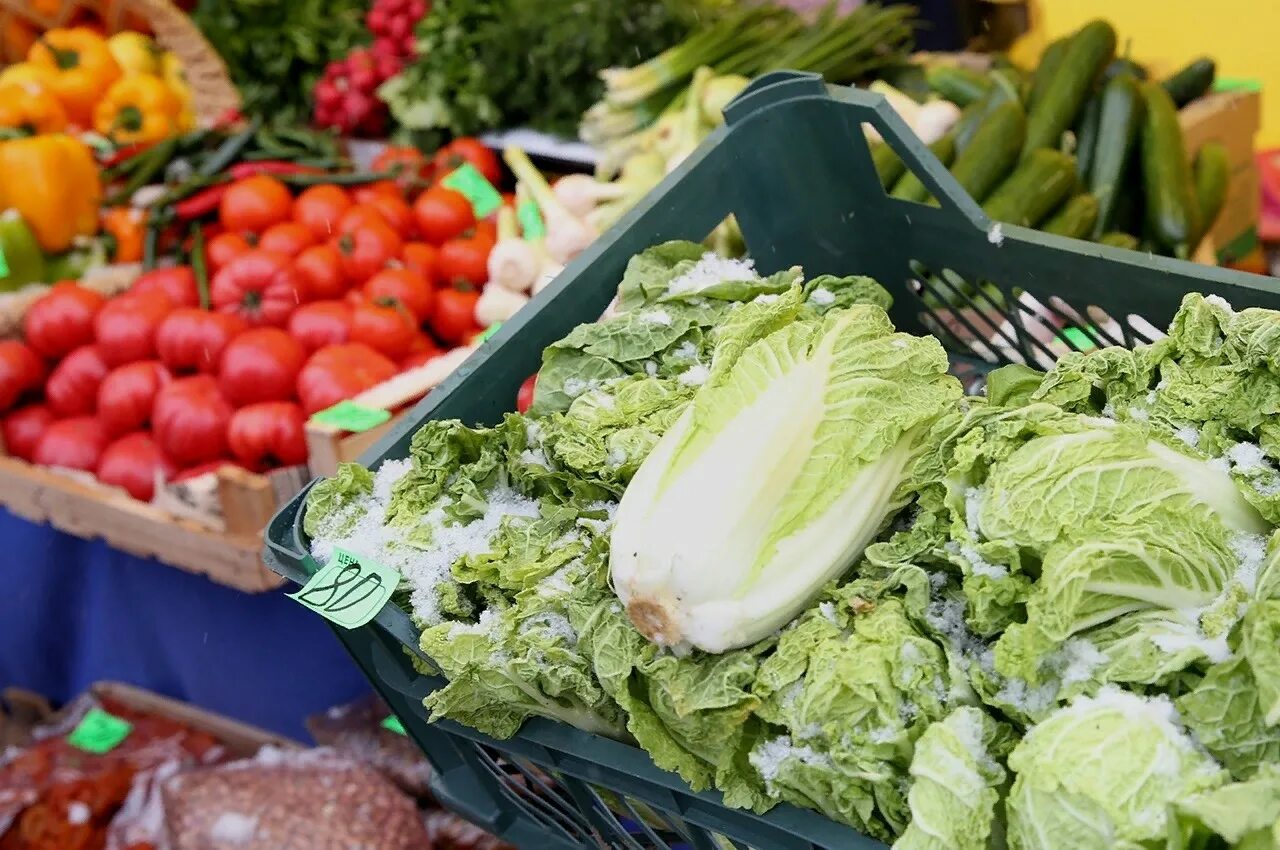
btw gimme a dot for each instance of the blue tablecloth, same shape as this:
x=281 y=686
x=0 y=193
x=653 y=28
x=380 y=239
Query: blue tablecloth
x=73 y=612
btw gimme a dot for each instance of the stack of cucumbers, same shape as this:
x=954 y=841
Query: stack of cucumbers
x=1083 y=146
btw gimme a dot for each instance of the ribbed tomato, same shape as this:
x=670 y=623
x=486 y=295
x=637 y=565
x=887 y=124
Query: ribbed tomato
x=224 y=248
x=75 y=443
x=190 y=419
x=269 y=434
x=61 y=320
x=125 y=327
x=127 y=394
x=339 y=372
x=319 y=270
x=260 y=287
x=23 y=429
x=178 y=283
x=321 y=323
x=260 y=365
x=20 y=372
x=132 y=463
x=72 y=388
x=192 y=340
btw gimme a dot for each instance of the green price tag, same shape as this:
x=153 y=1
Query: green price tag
x=530 y=218
x=490 y=331
x=99 y=732
x=470 y=183
x=393 y=723
x=349 y=591
x=350 y=416
x=1237 y=84
x=4 y=264
x=1079 y=338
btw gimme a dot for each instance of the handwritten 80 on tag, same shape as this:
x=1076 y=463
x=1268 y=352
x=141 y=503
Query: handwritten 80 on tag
x=349 y=590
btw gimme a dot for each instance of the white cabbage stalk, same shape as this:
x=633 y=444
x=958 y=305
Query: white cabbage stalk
x=774 y=479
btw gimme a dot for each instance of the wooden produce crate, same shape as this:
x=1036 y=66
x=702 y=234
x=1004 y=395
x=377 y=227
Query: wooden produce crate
x=328 y=446
x=212 y=528
x=1232 y=118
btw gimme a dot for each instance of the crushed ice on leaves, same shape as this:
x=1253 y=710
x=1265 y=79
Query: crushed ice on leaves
x=710 y=270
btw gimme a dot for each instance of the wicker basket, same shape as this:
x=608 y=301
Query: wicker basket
x=212 y=90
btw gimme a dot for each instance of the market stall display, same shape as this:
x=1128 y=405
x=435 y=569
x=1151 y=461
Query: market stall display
x=794 y=681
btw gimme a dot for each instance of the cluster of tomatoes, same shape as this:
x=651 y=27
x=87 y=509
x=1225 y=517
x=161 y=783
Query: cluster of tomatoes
x=310 y=300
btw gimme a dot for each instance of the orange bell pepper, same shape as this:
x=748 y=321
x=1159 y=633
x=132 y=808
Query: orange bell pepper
x=138 y=109
x=54 y=184
x=83 y=69
x=31 y=108
x=127 y=226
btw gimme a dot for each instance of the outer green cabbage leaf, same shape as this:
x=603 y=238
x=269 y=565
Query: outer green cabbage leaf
x=957 y=784
x=781 y=470
x=1102 y=772
x=1226 y=715
x=1244 y=814
x=333 y=504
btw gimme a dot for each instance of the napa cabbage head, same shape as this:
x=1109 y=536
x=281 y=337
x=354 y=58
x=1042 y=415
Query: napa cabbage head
x=1102 y=772
x=784 y=467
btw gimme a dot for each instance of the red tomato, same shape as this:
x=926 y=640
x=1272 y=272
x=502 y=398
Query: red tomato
x=354 y=298
x=224 y=248
x=209 y=468
x=132 y=462
x=72 y=388
x=23 y=429
x=454 y=319
x=260 y=365
x=403 y=287
x=395 y=212
x=366 y=251
x=321 y=323
x=339 y=372
x=190 y=339
x=389 y=329
x=255 y=203
x=320 y=270
x=365 y=193
x=524 y=397
x=74 y=443
x=320 y=208
x=288 y=238
x=127 y=393
x=61 y=320
x=465 y=259
x=269 y=434
x=190 y=419
x=442 y=214
x=260 y=287
x=411 y=168
x=421 y=258
x=361 y=215
x=125 y=327
x=178 y=283
x=420 y=354
x=460 y=151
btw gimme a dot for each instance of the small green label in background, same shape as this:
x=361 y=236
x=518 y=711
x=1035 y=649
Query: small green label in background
x=530 y=218
x=393 y=723
x=1228 y=84
x=350 y=416
x=489 y=331
x=349 y=590
x=4 y=264
x=99 y=732
x=1079 y=338
x=470 y=183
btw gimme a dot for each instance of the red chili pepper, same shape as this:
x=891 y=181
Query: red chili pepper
x=241 y=170
x=200 y=204
x=230 y=115
x=124 y=153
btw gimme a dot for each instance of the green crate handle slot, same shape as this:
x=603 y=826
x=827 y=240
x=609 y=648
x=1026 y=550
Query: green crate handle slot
x=793 y=165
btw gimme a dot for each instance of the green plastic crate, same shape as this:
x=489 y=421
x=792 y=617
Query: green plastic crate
x=793 y=166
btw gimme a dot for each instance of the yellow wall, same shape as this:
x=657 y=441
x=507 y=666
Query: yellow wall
x=1242 y=36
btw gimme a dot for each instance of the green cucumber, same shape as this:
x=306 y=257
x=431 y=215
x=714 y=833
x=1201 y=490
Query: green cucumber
x=1086 y=133
x=1004 y=90
x=991 y=152
x=1191 y=82
x=909 y=187
x=1172 y=213
x=1087 y=54
x=961 y=86
x=1117 y=239
x=888 y=166
x=1119 y=126
x=1050 y=62
x=1075 y=218
x=1212 y=171
x=1035 y=188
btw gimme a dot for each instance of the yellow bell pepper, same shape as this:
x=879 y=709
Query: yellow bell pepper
x=138 y=110
x=25 y=72
x=54 y=184
x=31 y=108
x=135 y=53
x=83 y=69
x=172 y=73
